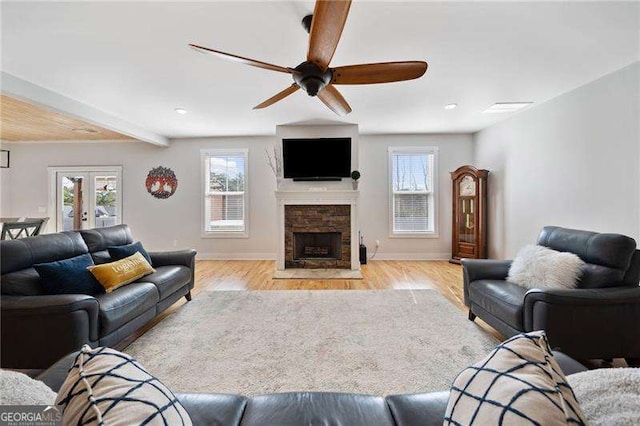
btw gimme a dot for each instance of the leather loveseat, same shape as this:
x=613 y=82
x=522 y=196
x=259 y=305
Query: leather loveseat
x=308 y=408
x=598 y=320
x=38 y=329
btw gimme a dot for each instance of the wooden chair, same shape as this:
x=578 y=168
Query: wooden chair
x=15 y=230
x=45 y=220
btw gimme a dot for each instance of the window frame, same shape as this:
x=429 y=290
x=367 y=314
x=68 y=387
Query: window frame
x=205 y=154
x=434 y=191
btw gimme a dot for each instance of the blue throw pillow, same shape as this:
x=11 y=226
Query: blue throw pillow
x=120 y=252
x=69 y=276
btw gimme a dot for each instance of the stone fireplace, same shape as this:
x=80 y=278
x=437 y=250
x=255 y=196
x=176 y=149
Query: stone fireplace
x=317 y=229
x=317 y=236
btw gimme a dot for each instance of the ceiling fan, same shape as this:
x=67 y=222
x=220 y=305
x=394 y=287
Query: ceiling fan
x=314 y=75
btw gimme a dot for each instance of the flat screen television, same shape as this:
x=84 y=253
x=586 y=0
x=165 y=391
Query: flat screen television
x=317 y=159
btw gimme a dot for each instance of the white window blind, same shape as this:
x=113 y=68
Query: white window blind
x=412 y=190
x=225 y=191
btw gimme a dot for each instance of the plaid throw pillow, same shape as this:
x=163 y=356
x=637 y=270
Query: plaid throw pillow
x=107 y=387
x=519 y=383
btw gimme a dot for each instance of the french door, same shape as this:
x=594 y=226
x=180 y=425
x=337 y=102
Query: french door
x=85 y=197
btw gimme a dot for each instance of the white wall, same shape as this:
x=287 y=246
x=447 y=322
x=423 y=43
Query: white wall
x=573 y=161
x=455 y=150
x=158 y=223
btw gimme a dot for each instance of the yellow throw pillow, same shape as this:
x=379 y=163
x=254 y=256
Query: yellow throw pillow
x=124 y=271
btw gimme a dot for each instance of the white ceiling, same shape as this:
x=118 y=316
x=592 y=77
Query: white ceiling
x=132 y=60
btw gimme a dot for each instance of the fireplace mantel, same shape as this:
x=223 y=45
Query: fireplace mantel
x=318 y=196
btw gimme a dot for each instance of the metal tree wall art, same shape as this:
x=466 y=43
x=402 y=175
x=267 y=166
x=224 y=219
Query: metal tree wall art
x=161 y=182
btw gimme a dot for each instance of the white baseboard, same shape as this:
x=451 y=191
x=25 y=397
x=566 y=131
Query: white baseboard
x=272 y=256
x=411 y=256
x=236 y=256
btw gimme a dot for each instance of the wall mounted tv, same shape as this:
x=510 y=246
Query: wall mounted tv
x=320 y=159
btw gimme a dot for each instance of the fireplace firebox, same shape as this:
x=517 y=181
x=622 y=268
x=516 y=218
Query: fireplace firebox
x=317 y=245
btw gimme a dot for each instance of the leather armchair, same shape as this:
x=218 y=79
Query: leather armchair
x=598 y=320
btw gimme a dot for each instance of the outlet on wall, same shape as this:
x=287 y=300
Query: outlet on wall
x=175 y=243
x=377 y=243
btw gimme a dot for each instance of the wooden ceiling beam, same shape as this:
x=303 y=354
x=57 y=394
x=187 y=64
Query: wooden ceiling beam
x=40 y=107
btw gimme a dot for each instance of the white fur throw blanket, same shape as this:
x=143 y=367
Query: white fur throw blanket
x=542 y=267
x=608 y=396
x=19 y=389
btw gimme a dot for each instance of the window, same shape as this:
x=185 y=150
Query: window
x=225 y=189
x=413 y=182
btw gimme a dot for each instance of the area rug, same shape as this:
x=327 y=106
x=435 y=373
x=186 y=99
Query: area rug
x=253 y=342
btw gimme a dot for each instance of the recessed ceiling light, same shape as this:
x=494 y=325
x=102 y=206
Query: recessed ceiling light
x=451 y=106
x=181 y=111
x=501 y=107
x=85 y=131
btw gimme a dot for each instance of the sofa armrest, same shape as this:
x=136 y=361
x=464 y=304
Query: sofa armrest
x=567 y=364
x=587 y=323
x=51 y=304
x=213 y=408
x=426 y=409
x=578 y=296
x=177 y=257
x=483 y=269
x=38 y=330
x=55 y=375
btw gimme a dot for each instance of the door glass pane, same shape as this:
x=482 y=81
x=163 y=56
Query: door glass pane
x=106 y=188
x=73 y=212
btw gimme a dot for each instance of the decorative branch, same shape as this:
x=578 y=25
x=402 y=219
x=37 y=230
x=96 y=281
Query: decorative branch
x=274 y=160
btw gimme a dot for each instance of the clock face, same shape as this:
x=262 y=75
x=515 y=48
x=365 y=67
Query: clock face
x=467 y=186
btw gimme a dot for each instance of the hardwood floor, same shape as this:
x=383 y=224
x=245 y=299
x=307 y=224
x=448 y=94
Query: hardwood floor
x=378 y=275
x=256 y=275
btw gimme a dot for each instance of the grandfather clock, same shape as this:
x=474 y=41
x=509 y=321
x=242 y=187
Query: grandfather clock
x=469 y=214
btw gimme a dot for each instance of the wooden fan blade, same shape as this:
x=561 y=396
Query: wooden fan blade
x=383 y=72
x=329 y=17
x=240 y=59
x=334 y=100
x=278 y=97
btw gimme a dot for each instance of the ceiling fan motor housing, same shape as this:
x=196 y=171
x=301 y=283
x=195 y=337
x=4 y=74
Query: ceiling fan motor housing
x=311 y=78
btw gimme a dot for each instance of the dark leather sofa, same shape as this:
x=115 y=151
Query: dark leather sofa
x=308 y=408
x=598 y=320
x=38 y=329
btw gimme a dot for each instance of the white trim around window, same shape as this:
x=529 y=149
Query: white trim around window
x=430 y=191
x=238 y=226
